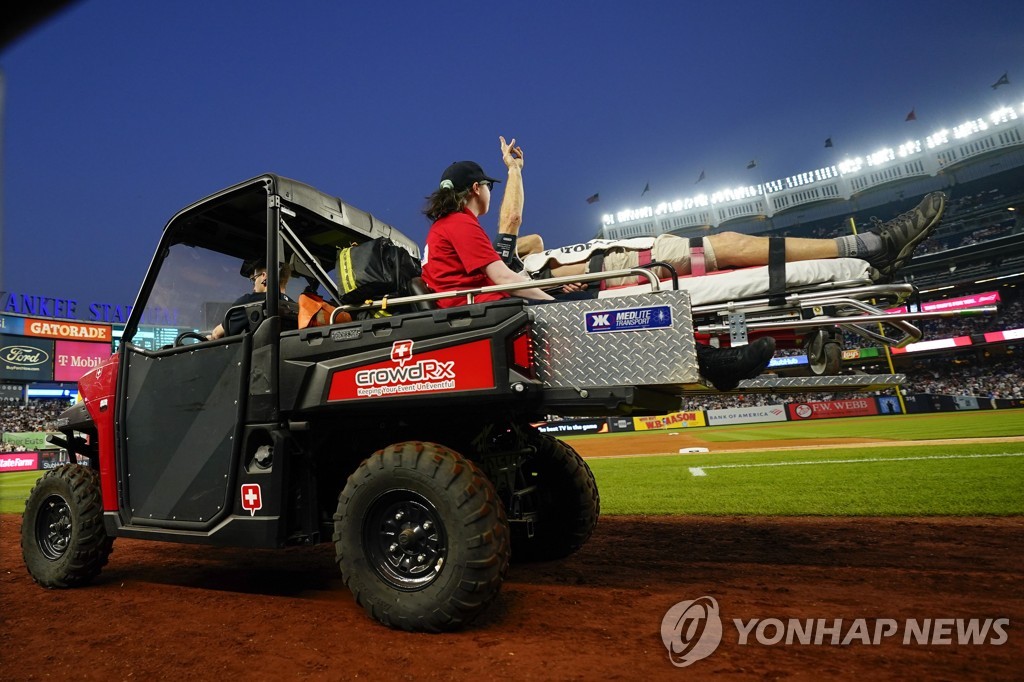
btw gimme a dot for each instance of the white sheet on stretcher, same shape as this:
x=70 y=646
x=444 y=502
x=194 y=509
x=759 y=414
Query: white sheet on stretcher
x=732 y=285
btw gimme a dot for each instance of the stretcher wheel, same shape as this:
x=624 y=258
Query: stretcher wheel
x=824 y=354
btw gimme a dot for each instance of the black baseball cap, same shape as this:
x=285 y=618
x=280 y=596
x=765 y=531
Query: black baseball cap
x=463 y=174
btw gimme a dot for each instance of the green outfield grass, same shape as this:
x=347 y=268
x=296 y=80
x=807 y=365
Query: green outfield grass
x=14 y=488
x=958 y=480
x=959 y=484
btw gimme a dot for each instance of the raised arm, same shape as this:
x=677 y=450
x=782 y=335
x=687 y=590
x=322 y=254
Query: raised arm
x=510 y=217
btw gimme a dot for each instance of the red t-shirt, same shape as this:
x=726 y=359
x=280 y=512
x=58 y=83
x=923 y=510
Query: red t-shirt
x=457 y=252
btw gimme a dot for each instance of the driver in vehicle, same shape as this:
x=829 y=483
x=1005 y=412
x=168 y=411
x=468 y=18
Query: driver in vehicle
x=258 y=276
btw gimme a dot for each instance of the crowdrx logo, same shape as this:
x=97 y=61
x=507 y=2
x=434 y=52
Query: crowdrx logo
x=692 y=630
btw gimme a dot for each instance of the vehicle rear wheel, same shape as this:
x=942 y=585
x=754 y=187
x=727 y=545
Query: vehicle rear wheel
x=63 y=541
x=421 y=538
x=565 y=498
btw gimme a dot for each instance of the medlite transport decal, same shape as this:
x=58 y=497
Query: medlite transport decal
x=629 y=320
x=458 y=368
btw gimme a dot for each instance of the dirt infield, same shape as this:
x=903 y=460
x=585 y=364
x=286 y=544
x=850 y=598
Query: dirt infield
x=162 y=611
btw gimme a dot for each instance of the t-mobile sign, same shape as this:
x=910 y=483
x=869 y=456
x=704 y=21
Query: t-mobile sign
x=75 y=358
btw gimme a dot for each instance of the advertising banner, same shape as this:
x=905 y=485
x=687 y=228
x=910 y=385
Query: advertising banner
x=747 y=415
x=64 y=329
x=966 y=402
x=30 y=440
x=18 y=461
x=888 y=404
x=72 y=359
x=620 y=424
x=571 y=427
x=934 y=344
x=673 y=420
x=26 y=359
x=861 y=407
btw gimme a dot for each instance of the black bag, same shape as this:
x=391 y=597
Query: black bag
x=375 y=269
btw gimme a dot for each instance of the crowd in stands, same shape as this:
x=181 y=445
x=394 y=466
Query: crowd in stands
x=940 y=375
x=1009 y=316
x=34 y=415
x=970 y=219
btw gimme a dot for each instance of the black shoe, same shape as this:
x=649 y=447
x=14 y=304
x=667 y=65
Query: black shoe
x=901 y=235
x=726 y=367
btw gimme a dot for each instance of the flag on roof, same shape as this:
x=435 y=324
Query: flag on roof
x=828 y=142
x=1003 y=80
x=911 y=116
x=593 y=198
x=752 y=164
x=647 y=188
x=700 y=178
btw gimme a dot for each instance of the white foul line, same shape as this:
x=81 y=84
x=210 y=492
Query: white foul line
x=700 y=471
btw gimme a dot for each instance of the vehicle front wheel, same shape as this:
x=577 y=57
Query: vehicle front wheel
x=63 y=541
x=421 y=538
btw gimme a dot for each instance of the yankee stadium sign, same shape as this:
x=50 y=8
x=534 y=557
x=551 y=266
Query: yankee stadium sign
x=68 y=308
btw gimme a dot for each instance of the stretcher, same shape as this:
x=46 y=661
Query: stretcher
x=820 y=299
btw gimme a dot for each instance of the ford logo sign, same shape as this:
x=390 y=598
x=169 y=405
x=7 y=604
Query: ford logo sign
x=25 y=356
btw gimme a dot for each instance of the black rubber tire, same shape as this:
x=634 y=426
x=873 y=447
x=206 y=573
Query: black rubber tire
x=567 y=502
x=63 y=541
x=402 y=572
x=824 y=354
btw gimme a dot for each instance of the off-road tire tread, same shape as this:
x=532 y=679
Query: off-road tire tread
x=90 y=545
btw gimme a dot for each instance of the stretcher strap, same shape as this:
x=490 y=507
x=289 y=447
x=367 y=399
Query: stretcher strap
x=776 y=270
x=697 y=266
x=596 y=263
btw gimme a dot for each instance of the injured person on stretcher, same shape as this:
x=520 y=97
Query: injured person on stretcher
x=459 y=255
x=887 y=247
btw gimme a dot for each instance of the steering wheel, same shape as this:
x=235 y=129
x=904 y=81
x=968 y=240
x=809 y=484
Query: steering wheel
x=189 y=335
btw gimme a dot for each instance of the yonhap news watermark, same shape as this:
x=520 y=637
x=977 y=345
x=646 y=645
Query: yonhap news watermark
x=692 y=630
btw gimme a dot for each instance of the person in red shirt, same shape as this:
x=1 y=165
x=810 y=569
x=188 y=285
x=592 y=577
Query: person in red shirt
x=459 y=255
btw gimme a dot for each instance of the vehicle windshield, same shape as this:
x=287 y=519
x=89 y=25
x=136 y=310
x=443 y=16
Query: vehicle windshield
x=194 y=289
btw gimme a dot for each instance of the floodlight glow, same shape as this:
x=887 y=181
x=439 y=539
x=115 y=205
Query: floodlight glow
x=965 y=129
x=607 y=219
x=669 y=207
x=826 y=173
x=908 y=148
x=937 y=139
x=631 y=214
x=1002 y=115
x=701 y=201
x=881 y=156
x=848 y=166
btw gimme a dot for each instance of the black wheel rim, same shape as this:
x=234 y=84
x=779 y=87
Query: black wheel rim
x=405 y=540
x=53 y=527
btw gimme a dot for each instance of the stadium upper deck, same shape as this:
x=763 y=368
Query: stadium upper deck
x=969 y=152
